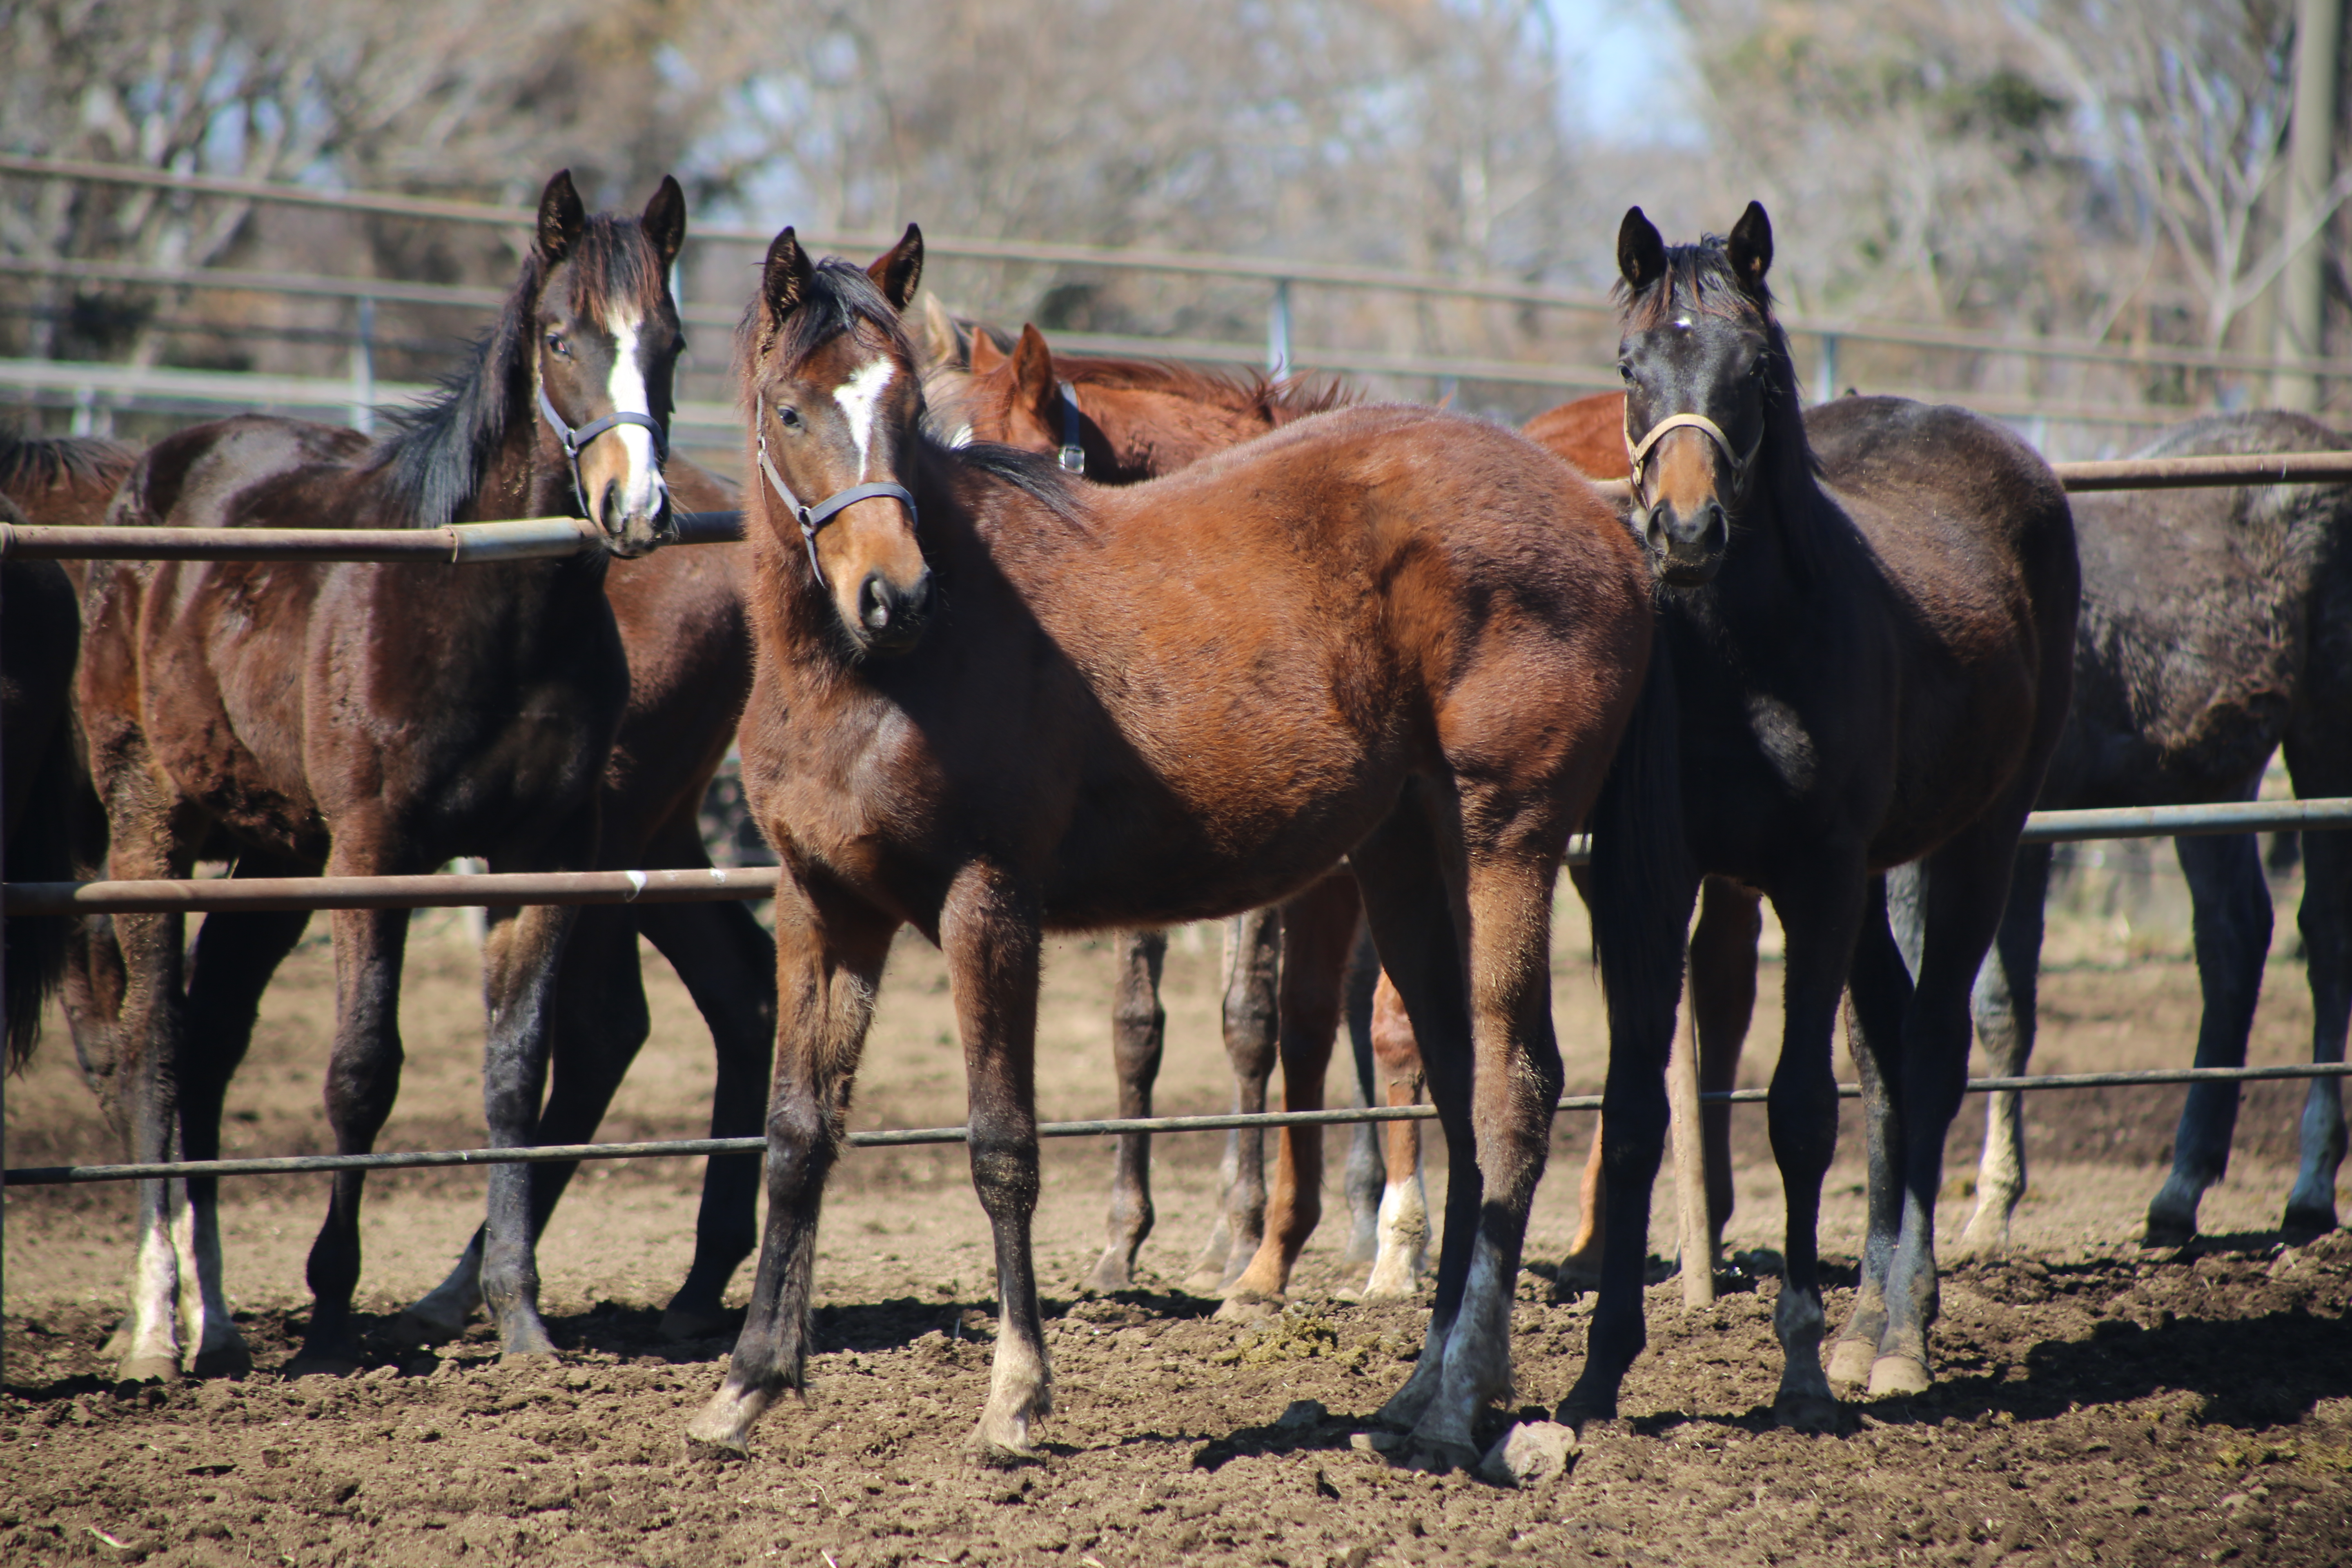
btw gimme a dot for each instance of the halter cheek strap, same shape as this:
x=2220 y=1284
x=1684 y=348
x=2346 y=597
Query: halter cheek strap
x=812 y=518
x=1637 y=453
x=1074 y=455
x=575 y=439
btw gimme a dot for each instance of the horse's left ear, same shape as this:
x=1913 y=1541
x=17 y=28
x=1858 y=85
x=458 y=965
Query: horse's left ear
x=561 y=219
x=784 y=279
x=665 y=221
x=1750 y=248
x=901 y=273
x=1032 y=371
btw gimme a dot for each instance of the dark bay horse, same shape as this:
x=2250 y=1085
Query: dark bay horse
x=1120 y=421
x=374 y=720
x=1870 y=670
x=991 y=701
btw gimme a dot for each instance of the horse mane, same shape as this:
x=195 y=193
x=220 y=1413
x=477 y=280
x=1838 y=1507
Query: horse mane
x=438 y=453
x=1277 y=400
x=26 y=459
x=841 y=299
x=1034 y=474
x=1698 y=278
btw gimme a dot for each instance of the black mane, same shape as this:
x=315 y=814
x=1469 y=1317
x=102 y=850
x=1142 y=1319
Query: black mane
x=841 y=299
x=33 y=460
x=438 y=452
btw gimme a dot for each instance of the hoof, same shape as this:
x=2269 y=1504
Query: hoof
x=1249 y=1307
x=996 y=1455
x=228 y=1359
x=526 y=1335
x=1114 y=1270
x=2307 y=1222
x=691 y=1323
x=2167 y=1233
x=725 y=1451
x=118 y=1343
x=323 y=1363
x=1388 y=1294
x=1850 y=1359
x=416 y=1328
x=1806 y=1413
x=1895 y=1376
x=147 y=1369
x=1437 y=1455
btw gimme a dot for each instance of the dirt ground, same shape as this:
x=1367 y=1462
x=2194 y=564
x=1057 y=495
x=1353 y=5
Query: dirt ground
x=2097 y=1403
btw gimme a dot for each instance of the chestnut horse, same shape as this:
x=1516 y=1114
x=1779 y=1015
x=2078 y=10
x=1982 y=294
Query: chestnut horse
x=374 y=720
x=991 y=701
x=1119 y=421
x=1869 y=672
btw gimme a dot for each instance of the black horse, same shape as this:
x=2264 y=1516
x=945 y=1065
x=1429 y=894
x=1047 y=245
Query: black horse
x=1867 y=674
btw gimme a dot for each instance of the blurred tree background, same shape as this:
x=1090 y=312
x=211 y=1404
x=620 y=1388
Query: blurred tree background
x=2079 y=168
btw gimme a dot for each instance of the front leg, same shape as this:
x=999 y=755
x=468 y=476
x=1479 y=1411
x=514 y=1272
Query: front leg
x=1138 y=1031
x=830 y=948
x=1253 y=961
x=989 y=930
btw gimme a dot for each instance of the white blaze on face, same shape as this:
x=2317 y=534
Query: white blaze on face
x=859 y=397
x=642 y=490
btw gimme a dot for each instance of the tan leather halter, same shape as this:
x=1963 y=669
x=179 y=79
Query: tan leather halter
x=1637 y=453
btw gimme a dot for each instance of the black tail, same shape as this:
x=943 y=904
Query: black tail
x=40 y=850
x=1641 y=883
x=55 y=809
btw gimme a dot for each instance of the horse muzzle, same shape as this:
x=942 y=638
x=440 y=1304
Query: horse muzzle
x=891 y=618
x=1687 y=548
x=634 y=530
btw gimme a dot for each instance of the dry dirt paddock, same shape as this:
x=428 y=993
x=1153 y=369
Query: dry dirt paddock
x=2098 y=1403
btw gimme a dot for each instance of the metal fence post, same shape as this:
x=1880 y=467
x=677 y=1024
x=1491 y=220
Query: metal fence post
x=1277 y=329
x=363 y=370
x=1826 y=387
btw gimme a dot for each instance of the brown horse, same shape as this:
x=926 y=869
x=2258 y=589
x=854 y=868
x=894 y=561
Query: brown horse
x=1869 y=672
x=374 y=720
x=1119 y=421
x=991 y=700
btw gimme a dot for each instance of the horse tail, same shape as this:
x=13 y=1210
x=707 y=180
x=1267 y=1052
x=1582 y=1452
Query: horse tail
x=57 y=814
x=40 y=850
x=1642 y=882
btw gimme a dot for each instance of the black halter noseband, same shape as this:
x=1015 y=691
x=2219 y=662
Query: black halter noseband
x=812 y=518
x=573 y=440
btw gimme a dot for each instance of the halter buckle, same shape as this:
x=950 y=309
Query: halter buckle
x=1074 y=455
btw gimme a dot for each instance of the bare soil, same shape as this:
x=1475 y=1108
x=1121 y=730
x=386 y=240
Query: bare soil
x=2098 y=1403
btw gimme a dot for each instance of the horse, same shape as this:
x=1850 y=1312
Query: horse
x=1287 y=972
x=1870 y=668
x=371 y=719
x=991 y=701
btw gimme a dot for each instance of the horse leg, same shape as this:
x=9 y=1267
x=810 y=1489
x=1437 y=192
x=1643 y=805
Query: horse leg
x=829 y=955
x=363 y=1080
x=93 y=994
x=1964 y=891
x=236 y=954
x=727 y=961
x=153 y=1033
x=1822 y=913
x=1319 y=931
x=2004 y=1003
x=601 y=1024
x=1253 y=960
x=1880 y=994
x=1404 y=1252
x=1139 y=1032
x=1366 y=1146
x=2321 y=763
x=2233 y=925
x=1722 y=996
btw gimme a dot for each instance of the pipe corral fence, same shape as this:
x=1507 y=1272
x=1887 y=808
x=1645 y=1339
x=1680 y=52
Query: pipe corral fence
x=464 y=544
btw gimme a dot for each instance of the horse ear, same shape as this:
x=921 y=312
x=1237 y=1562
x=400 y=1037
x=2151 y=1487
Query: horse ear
x=1033 y=370
x=985 y=355
x=1640 y=252
x=561 y=218
x=1750 y=248
x=901 y=273
x=784 y=281
x=942 y=344
x=665 y=221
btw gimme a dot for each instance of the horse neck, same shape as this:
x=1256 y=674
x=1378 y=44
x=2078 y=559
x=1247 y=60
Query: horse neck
x=1784 y=544
x=1152 y=433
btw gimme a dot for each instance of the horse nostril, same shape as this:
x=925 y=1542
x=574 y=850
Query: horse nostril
x=874 y=603
x=916 y=602
x=1718 y=528
x=609 y=506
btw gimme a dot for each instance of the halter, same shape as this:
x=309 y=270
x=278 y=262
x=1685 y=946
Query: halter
x=1637 y=453
x=812 y=518
x=1074 y=456
x=573 y=440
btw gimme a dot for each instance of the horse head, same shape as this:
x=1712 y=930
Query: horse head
x=1019 y=400
x=1706 y=369
x=607 y=339
x=834 y=394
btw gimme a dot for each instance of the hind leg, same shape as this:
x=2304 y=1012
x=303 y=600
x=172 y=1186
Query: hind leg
x=1879 y=994
x=1138 y=1034
x=1366 y=1150
x=2322 y=765
x=1252 y=962
x=2233 y=936
x=1403 y=1254
x=1319 y=931
x=2004 y=1004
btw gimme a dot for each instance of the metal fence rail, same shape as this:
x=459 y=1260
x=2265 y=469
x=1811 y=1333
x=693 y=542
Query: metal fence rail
x=712 y=884
x=906 y=1137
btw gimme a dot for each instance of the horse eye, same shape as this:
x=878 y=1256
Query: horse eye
x=790 y=418
x=557 y=346
x=1625 y=371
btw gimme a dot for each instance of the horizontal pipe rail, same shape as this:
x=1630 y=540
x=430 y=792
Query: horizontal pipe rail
x=442 y=891
x=1256 y=269
x=459 y=544
x=906 y=1137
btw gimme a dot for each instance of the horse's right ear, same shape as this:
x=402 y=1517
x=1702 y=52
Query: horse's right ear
x=1749 y=248
x=1033 y=370
x=942 y=344
x=784 y=281
x=985 y=355
x=561 y=219
x=1641 y=251
x=664 y=222
x=900 y=272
